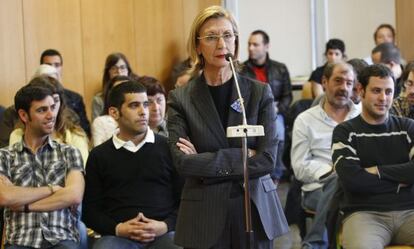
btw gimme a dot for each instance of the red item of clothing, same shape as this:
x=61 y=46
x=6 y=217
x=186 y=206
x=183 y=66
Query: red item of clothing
x=260 y=73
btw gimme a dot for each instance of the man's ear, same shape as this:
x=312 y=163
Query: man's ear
x=324 y=82
x=113 y=112
x=360 y=89
x=23 y=115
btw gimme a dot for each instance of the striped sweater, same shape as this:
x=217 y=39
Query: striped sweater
x=389 y=146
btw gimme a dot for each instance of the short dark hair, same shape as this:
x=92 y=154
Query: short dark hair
x=117 y=94
x=264 y=35
x=389 y=53
x=50 y=52
x=387 y=26
x=358 y=65
x=377 y=70
x=152 y=85
x=335 y=44
x=108 y=88
x=29 y=93
x=406 y=72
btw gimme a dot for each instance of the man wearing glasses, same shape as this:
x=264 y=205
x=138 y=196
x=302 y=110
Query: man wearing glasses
x=403 y=105
x=260 y=67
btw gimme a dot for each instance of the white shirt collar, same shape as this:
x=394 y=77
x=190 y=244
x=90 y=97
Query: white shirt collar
x=129 y=145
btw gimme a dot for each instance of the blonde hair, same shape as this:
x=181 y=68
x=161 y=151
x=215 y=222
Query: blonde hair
x=197 y=61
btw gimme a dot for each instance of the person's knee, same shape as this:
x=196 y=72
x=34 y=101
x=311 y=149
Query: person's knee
x=109 y=242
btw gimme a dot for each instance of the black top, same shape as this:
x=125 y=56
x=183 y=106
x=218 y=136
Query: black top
x=221 y=97
x=317 y=74
x=358 y=145
x=120 y=183
x=75 y=102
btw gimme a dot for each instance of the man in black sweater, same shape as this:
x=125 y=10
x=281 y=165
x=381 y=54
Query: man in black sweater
x=132 y=189
x=373 y=157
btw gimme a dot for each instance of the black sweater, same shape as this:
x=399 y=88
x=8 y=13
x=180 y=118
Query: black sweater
x=358 y=145
x=120 y=184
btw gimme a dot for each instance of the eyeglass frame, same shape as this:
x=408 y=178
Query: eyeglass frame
x=212 y=39
x=116 y=68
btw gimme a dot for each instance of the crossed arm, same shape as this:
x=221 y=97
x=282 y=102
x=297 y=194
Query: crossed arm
x=44 y=198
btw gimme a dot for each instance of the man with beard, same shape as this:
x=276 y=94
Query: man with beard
x=373 y=157
x=311 y=146
x=132 y=188
x=259 y=66
x=403 y=105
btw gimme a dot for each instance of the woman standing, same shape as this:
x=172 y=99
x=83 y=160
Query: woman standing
x=211 y=209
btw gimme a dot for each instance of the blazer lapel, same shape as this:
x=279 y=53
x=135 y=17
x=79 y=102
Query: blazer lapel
x=235 y=116
x=204 y=104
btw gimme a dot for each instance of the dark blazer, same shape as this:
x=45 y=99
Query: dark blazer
x=210 y=173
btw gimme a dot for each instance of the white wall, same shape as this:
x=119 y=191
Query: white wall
x=288 y=23
x=354 y=21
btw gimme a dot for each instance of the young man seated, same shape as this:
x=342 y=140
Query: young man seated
x=373 y=157
x=132 y=188
x=41 y=181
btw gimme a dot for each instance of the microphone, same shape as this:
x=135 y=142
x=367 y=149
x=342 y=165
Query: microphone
x=229 y=57
x=243 y=130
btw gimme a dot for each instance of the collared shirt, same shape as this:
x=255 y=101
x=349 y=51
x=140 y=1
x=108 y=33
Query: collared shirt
x=402 y=108
x=311 y=144
x=129 y=145
x=49 y=165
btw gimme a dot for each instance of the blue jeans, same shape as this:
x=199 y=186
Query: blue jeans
x=319 y=200
x=165 y=241
x=280 y=133
x=66 y=244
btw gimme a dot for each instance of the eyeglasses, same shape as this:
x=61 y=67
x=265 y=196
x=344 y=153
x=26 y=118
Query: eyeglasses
x=228 y=37
x=115 y=68
x=408 y=83
x=54 y=64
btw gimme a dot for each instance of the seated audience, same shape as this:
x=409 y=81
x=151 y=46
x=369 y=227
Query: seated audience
x=311 y=146
x=115 y=64
x=41 y=180
x=74 y=100
x=403 y=105
x=132 y=188
x=383 y=34
x=104 y=126
x=334 y=52
x=157 y=104
x=66 y=130
x=372 y=155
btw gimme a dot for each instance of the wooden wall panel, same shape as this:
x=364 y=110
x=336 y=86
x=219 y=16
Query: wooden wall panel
x=54 y=24
x=405 y=27
x=152 y=34
x=159 y=36
x=107 y=27
x=12 y=69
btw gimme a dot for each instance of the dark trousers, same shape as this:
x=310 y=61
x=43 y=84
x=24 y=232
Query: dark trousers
x=234 y=235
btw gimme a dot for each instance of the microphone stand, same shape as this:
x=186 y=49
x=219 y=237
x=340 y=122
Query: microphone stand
x=244 y=131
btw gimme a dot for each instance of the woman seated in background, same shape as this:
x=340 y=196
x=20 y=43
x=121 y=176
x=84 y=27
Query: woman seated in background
x=334 y=52
x=115 y=64
x=157 y=103
x=67 y=128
